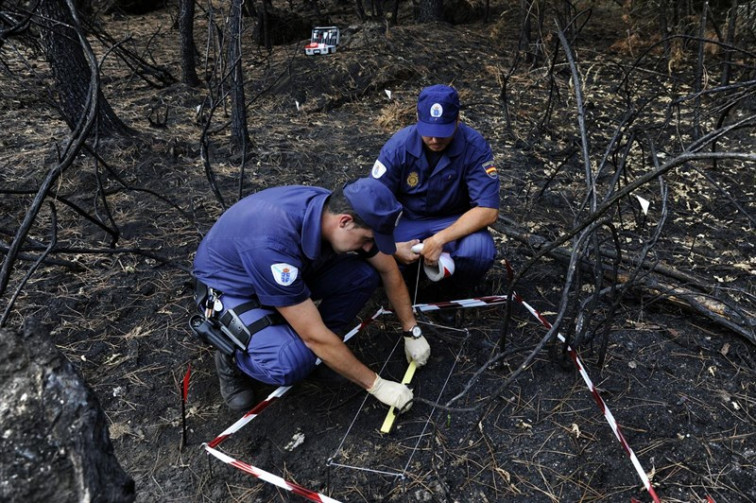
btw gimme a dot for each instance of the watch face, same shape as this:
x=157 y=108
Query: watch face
x=416 y=332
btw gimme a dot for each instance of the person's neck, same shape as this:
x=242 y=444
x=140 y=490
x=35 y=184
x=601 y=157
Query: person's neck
x=432 y=156
x=329 y=222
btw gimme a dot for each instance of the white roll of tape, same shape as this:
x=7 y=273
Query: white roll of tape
x=443 y=269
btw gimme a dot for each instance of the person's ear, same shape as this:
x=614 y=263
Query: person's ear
x=345 y=219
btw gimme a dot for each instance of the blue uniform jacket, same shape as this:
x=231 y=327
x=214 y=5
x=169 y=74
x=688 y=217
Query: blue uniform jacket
x=464 y=177
x=264 y=244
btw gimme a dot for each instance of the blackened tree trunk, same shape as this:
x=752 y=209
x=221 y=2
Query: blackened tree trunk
x=263 y=25
x=377 y=9
x=71 y=73
x=526 y=28
x=188 y=49
x=360 y=10
x=395 y=13
x=239 y=131
x=430 y=10
x=730 y=41
x=664 y=27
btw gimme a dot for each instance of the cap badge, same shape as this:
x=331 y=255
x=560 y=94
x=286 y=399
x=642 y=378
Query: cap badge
x=412 y=179
x=436 y=110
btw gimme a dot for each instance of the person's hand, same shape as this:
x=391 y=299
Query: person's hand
x=417 y=349
x=404 y=253
x=432 y=248
x=391 y=393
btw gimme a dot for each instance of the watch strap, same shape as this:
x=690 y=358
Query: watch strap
x=409 y=333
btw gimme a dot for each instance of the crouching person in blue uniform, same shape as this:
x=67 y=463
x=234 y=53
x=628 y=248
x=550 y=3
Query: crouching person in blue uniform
x=444 y=175
x=268 y=258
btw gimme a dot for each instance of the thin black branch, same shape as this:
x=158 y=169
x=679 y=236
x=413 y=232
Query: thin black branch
x=78 y=138
x=35 y=266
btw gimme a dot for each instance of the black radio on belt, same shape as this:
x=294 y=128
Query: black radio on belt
x=227 y=333
x=210 y=332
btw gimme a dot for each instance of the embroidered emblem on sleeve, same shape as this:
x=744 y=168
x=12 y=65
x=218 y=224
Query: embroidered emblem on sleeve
x=284 y=274
x=378 y=169
x=490 y=169
x=412 y=179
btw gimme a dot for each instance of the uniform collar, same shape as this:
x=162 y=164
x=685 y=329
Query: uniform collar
x=312 y=225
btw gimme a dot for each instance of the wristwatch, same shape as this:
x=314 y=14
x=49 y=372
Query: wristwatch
x=414 y=332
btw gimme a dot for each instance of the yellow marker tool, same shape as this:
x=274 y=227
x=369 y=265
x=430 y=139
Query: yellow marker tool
x=388 y=423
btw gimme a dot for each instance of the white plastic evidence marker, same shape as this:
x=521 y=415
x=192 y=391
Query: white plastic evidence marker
x=443 y=269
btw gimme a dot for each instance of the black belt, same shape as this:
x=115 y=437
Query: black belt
x=235 y=327
x=230 y=324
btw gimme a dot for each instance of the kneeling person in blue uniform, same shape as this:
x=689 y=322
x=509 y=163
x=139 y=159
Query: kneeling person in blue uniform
x=444 y=175
x=268 y=258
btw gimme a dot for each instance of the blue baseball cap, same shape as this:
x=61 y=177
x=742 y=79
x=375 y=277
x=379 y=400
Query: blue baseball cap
x=378 y=208
x=437 y=111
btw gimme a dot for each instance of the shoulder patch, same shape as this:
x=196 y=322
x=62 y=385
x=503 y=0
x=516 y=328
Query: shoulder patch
x=378 y=169
x=490 y=169
x=284 y=274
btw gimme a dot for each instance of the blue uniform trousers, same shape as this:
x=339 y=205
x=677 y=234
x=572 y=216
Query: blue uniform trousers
x=473 y=254
x=276 y=354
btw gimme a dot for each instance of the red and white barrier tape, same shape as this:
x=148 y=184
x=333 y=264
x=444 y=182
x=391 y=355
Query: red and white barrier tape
x=272 y=479
x=599 y=401
x=253 y=413
x=249 y=416
x=280 y=391
x=459 y=303
x=494 y=300
x=462 y=303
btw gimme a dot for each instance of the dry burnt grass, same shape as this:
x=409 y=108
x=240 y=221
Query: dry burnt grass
x=681 y=388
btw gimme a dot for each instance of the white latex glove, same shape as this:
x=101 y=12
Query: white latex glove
x=417 y=349
x=391 y=393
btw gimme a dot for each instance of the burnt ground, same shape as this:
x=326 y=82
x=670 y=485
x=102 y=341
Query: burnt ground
x=680 y=385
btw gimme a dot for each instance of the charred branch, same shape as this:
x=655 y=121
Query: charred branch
x=78 y=138
x=40 y=260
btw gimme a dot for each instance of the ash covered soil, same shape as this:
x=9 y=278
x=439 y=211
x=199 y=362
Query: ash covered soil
x=681 y=387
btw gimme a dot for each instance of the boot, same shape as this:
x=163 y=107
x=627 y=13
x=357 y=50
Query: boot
x=235 y=386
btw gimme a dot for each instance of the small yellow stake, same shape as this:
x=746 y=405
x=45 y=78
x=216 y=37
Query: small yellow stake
x=388 y=423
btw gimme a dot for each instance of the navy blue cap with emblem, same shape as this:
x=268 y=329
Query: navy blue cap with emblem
x=437 y=111
x=378 y=208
